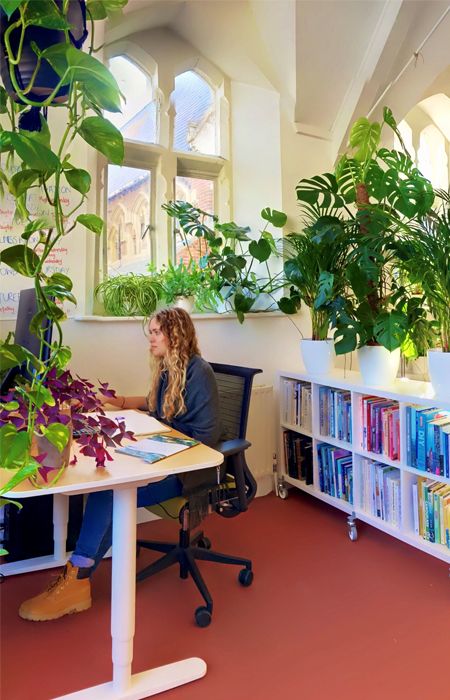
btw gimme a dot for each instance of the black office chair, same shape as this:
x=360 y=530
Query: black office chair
x=229 y=498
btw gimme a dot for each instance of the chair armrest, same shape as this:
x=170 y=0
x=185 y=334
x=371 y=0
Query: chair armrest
x=232 y=447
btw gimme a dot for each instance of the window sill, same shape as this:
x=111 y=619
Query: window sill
x=195 y=317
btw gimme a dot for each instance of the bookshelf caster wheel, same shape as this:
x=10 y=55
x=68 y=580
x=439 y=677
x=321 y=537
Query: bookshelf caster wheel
x=245 y=577
x=282 y=492
x=353 y=533
x=202 y=616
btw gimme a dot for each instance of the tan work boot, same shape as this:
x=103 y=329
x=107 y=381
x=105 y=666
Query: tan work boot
x=67 y=594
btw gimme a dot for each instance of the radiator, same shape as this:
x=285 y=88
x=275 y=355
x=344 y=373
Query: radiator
x=261 y=433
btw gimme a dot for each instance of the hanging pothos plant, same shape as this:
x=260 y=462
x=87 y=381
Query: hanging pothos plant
x=44 y=68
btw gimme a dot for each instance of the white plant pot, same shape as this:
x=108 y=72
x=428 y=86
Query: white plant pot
x=439 y=371
x=377 y=365
x=186 y=303
x=318 y=355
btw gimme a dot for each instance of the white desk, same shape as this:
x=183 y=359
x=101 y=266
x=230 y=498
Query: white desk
x=124 y=475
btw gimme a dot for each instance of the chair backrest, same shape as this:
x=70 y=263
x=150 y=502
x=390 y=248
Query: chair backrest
x=235 y=386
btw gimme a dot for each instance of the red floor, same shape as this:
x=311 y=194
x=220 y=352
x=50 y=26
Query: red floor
x=324 y=619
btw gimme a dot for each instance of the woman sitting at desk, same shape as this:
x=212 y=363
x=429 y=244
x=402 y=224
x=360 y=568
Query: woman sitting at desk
x=183 y=395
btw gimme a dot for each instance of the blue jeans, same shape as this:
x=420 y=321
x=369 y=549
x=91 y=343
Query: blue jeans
x=95 y=536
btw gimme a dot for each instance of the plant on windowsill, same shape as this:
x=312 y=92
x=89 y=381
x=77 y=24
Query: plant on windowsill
x=232 y=257
x=129 y=295
x=381 y=191
x=191 y=286
x=46 y=69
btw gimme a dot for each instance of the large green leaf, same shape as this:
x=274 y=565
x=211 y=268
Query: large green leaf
x=22 y=181
x=325 y=289
x=56 y=433
x=98 y=83
x=45 y=14
x=390 y=329
x=10 y=6
x=260 y=250
x=101 y=9
x=365 y=138
x=13 y=446
x=274 y=217
x=28 y=469
x=21 y=259
x=348 y=175
x=92 y=222
x=79 y=179
x=320 y=190
x=102 y=135
x=293 y=272
x=12 y=355
x=34 y=154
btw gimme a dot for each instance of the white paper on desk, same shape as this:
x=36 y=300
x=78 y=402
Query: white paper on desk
x=153 y=449
x=138 y=422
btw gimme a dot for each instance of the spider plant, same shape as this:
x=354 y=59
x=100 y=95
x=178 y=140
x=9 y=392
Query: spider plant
x=129 y=295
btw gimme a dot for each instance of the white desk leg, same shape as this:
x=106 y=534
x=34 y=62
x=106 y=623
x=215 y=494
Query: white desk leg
x=60 y=520
x=123 y=596
x=124 y=686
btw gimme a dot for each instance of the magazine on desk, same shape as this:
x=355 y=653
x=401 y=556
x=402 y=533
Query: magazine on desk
x=157 y=447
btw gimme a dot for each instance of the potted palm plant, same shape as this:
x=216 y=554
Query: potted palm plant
x=381 y=192
x=34 y=159
x=314 y=268
x=427 y=262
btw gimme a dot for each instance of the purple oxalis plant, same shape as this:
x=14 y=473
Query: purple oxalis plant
x=76 y=402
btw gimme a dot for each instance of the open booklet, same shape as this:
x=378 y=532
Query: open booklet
x=157 y=447
x=139 y=422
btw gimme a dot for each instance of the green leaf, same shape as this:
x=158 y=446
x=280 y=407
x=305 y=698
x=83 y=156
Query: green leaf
x=5 y=141
x=13 y=446
x=10 y=406
x=41 y=395
x=10 y=6
x=390 y=329
x=293 y=272
x=358 y=280
x=101 y=9
x=260 y=250
x=21 y=259
x=92 y=222
x=365 y=137
x=34 y=154
x=320 y=190
x=29 y=469
x=3 y=100
x=388 y=118
x=13 y=355
x=62 y=357
x=45 y=14
x=325 y=289
x=22 y=181
x=79 y=179
x=97 y=81
x=58 y=434
x=274 y=217
x=289 y=305
x=42 y=136
x=60 y=280
x=103 y=136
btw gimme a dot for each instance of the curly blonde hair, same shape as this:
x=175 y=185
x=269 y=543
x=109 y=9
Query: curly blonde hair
x=177 y=326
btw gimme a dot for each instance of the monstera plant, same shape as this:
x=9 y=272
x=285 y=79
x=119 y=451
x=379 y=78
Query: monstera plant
x=239 y=264
x=44 y=70
x=380 y=191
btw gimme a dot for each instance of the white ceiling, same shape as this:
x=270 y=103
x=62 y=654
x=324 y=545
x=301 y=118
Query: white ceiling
x=329 y=59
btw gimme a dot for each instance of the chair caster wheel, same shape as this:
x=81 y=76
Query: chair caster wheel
x=282 y=492
x=202 y=616
x=204 y=543
x=245 y=577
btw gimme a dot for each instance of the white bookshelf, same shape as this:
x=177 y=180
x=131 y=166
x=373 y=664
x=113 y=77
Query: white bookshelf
x=403 y=391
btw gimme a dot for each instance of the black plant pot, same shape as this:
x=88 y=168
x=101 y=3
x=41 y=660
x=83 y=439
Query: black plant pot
x=46 y=79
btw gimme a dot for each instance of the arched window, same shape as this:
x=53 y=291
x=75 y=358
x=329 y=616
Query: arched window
x=432 y=156
x=407 y=136
x=138 y=119
x=195 y=115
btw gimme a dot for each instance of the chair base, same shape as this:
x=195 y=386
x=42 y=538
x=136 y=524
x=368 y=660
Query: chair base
x=184 y=554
